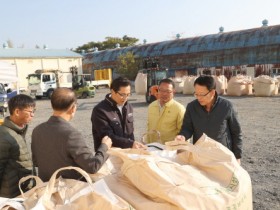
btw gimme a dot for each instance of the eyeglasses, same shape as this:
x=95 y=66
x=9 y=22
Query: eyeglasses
x=30 y=111
x=201 y=95
x=165 y=91
x=123 y=95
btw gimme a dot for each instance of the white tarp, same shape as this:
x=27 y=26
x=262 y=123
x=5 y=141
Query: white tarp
x=8 y=72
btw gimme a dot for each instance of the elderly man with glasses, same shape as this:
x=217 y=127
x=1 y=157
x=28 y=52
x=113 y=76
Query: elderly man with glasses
x=113 y=117
x=15 y=159
x=212 y=115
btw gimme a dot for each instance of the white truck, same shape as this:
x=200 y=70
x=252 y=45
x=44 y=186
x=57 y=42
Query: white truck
x=43 y=82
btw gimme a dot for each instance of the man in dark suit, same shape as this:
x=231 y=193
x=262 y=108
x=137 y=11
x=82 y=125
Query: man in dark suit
x=114 y=117
x=56 y=144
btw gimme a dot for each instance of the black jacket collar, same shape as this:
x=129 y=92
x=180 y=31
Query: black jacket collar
x=111 y=101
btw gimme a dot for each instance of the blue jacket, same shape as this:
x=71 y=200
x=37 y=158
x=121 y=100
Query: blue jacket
x=220 y=124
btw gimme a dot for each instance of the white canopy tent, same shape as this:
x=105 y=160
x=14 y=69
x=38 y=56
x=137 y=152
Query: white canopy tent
x=8 y=74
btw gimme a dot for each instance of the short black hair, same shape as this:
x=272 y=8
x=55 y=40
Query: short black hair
x=207 y=81
x=21 y=102
x=119 y=82
x=62 y=99
x=168 y=81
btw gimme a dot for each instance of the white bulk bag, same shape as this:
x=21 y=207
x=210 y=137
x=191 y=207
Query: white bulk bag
x=239 y=85
x=179 y=84
x=141 y=83
x=221 y=84
x=188 y=85
x=265 y=85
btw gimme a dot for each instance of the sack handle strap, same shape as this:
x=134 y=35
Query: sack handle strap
x=23 y=179
x=50 y=187
x=189 y=147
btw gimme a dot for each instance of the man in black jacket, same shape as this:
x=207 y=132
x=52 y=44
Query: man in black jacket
x=212 y=115
x=56 y=144
x=113 y=117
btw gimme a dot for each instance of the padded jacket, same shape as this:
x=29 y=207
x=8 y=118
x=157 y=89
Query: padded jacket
x=107 y=120
x=220 y=124
x=15 y=160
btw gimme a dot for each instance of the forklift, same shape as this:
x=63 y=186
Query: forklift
x=154 y=75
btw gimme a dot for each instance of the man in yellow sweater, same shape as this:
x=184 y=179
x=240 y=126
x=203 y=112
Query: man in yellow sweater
x=165 y=115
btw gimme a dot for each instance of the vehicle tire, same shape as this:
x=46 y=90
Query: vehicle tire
x=49 y=93
x=147 y=97
x=38 y=97
x=84 y=95
x=150 y=99
x=2 y=112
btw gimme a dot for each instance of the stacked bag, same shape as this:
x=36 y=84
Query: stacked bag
x=221 y=84
x=265 y=86
x=240 y=85
x=188 y=85
x=179 y=84
x=278 y=78
x=66 y=194
x=141 y=83
x=201 y=176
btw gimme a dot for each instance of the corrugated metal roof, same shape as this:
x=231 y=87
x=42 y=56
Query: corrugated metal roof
x=36 y=53
x=250 y=38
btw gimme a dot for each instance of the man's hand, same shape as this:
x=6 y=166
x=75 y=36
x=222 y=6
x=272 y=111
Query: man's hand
x=180 y=138
x=138 y=145
x=107 y=140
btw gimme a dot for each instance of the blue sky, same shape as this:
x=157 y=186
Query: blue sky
x=61 y=24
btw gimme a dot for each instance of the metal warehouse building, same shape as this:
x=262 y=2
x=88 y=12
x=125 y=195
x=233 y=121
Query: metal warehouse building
x=254 y=51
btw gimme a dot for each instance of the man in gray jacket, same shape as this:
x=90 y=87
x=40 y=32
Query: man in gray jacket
x=56 y=144
x=212 y=115
x=15 y=159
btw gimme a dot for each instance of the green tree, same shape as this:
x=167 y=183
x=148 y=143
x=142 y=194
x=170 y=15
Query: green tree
x=128 y=65
x=109 y=43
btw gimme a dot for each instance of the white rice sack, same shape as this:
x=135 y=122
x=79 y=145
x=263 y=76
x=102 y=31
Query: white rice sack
x=188 y=85
x=141 y=83
x=276 y=90
x=239 y=85
x=265 y=86
x=278 y=78
x=179 y=84
x=221 y=84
